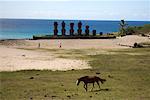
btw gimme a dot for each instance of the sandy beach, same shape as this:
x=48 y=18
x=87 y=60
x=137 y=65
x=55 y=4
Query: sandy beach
x=26 y=54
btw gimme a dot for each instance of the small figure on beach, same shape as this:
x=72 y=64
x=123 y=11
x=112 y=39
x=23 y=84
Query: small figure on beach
x=60 y=45
x=39 y=45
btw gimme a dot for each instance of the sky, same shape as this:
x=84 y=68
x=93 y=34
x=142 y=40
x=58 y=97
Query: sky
x=138 y=10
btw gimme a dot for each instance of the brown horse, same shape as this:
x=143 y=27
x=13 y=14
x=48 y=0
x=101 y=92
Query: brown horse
x=90 y=79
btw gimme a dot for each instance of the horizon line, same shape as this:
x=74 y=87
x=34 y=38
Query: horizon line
x=75 y=19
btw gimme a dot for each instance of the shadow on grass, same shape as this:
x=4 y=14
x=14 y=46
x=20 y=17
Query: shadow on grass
x=101 y=90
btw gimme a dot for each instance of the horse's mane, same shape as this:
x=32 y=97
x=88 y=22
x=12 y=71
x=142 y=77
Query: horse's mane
x=83 y=77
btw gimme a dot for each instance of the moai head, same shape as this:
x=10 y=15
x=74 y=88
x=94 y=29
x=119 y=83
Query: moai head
x=101 y=33
x=71 y=25
x=87 y=26
x=79 y=25
x=55 y=24
x=63 y=24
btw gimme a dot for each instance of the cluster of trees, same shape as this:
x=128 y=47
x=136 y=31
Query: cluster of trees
x=138 y=29
x=130 y=30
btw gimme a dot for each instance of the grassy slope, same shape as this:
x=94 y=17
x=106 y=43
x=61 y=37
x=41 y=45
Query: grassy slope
x=129 y=70
x=139 y=29
x=145 y=28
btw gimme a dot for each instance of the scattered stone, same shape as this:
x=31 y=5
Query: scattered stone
x=91 y=70
x=68 y=96
x=107 y=89
x=65 y=90
x=72 y=69
x=110 y=76
x=90 y=96
x=44 y=89
x=98 y=73
x=25 y=91
x=23 y=55
x=31 y=77
x=37 y=74
x=53 y=96
x=31 y=98
x=45 y=95
x=137 y=45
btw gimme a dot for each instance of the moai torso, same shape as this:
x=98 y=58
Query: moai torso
x=63 y=30
x=87 y=30
x=94 y=32
x=55 y=28
x=80 y=28
x=101 y=33
x=71 y=29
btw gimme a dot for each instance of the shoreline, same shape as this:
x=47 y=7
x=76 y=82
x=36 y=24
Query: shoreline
x=23 y=54
x=16 y=39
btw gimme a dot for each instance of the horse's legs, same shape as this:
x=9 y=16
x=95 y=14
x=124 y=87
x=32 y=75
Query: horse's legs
x=85 y=86
x=92 y=87
x=98 y=84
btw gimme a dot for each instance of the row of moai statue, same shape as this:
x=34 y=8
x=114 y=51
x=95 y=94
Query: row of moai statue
x=79 y=30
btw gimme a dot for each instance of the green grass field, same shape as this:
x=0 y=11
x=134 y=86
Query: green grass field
x=128 y=71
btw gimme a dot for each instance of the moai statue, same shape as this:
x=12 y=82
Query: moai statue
x=94 y=32
x=63 y=30
x=71 y=29
x=80 y=28
x=55 y=28
x=87 y=30
x=101 y=33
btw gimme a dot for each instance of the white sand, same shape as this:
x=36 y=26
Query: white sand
x=12 y=58
x=130 y=40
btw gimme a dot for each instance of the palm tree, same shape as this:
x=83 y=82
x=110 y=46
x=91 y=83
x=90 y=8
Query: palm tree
x=123 y=27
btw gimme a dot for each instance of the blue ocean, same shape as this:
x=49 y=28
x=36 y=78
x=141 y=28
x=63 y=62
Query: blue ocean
x=26 y=28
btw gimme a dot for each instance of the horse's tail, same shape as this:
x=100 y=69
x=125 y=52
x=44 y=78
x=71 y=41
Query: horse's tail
x=77 y=82
x=101 y=80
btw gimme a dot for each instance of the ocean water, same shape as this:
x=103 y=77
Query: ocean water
x=26 y=28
